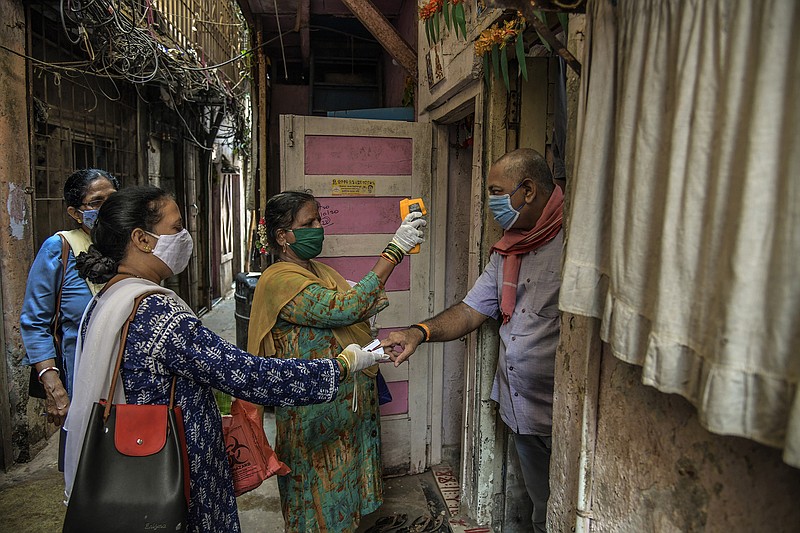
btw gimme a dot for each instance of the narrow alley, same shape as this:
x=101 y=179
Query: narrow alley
x=515 y=265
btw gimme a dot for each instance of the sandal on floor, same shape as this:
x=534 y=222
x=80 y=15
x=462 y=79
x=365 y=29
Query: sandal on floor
x=386 y=524
x=419 y=524
x=436 y=524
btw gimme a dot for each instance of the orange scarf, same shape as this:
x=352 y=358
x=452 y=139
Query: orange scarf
x=516 y=243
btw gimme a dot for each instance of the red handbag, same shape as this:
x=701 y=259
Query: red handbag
x=251 y=457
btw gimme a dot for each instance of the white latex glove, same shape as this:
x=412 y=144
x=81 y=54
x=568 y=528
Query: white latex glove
x=409 y=234
x=358 y=359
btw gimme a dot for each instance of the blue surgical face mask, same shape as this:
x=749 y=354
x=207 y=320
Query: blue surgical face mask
x=89 y=217
x=503 y=211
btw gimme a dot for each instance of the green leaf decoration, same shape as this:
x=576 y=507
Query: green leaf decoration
x=563 y=18
x=496 y=61
x=446 y=11
x=541 y=16
x=436 y=27
x=504 y=69
x=459 y=18
x=486 y=75
x=523 y=67
x=428 y=31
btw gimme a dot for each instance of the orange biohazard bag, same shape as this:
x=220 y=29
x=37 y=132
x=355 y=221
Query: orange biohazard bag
x=251 y=457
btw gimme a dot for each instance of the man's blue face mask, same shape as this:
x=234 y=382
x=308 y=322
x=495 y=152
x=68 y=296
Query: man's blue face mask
x=502 y=209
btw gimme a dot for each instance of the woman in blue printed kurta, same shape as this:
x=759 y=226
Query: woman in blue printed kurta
x=165 y=339
x=139 y=242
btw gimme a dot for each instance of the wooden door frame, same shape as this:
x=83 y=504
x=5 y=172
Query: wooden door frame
x=481 y=457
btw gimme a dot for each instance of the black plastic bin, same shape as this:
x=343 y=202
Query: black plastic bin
x=245 y=288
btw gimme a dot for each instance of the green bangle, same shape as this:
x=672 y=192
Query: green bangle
x=345 y=368
x=394 y=252
x=396 y=249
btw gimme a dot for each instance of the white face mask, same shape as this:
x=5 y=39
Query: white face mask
x=174 y=250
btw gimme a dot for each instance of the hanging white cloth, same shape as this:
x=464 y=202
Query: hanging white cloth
x=93 y=373
x=684 y=234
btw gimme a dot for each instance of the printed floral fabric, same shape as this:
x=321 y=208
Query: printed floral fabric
x=165 y=340
x=334 y=452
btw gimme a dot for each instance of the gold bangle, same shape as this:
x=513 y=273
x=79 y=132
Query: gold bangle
x=389 y=258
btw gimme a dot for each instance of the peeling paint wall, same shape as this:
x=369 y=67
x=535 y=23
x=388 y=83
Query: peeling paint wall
x=15 y=235
x=656 y=469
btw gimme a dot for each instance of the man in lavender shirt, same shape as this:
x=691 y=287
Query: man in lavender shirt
x=527 y=204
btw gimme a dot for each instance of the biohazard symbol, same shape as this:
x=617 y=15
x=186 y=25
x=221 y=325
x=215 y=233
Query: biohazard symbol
x=235 y=451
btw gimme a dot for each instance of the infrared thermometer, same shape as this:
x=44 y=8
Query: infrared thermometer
x=411 y=205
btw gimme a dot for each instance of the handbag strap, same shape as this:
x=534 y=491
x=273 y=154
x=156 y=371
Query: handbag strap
x=123 y=341
x=55 y=324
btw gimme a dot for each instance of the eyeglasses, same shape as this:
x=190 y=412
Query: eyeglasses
x=95 y=204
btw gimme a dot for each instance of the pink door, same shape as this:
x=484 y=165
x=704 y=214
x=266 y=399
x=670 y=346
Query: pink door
x=360 y=170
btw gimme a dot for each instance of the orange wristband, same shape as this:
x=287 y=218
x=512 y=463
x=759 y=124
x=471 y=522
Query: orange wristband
x=426 y=331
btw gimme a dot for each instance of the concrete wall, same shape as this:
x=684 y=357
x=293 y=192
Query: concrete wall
x=20 y=422
x=654 y=468
x=629 y=458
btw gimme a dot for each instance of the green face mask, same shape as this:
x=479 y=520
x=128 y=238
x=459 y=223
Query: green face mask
x=308 y=242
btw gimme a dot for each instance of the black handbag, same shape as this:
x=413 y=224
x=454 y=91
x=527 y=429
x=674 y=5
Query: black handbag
x=35 y=387
x=133 y=472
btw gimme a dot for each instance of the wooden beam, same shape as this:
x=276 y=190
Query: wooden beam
x=385 y=33
x=301 y=22
x=558 y=46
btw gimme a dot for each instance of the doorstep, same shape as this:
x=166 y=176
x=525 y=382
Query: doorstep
x=450 y=491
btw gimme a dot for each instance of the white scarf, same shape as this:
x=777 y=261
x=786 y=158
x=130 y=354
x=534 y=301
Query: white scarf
x=93 y=376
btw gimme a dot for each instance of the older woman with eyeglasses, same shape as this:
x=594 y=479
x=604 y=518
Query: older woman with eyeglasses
x=84 y=193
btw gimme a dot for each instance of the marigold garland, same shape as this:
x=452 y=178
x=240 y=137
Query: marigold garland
x=495 y=39
x=450 y=11
x=430 y=9
x=499 y=36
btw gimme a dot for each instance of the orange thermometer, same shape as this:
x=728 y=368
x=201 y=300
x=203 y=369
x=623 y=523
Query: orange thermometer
x=411 y=205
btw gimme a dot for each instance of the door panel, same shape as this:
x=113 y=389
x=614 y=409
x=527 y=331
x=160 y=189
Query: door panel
x=359 y=170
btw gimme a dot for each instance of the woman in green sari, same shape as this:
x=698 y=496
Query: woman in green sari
x=304 y=308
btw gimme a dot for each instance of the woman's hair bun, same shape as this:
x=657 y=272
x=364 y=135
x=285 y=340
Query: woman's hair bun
x=95 y=267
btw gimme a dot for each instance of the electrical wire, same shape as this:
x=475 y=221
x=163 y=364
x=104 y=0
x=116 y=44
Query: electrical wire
x=283 y=51
x=132 y=40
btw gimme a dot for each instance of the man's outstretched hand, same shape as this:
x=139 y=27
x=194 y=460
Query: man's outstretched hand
x=401 y=344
